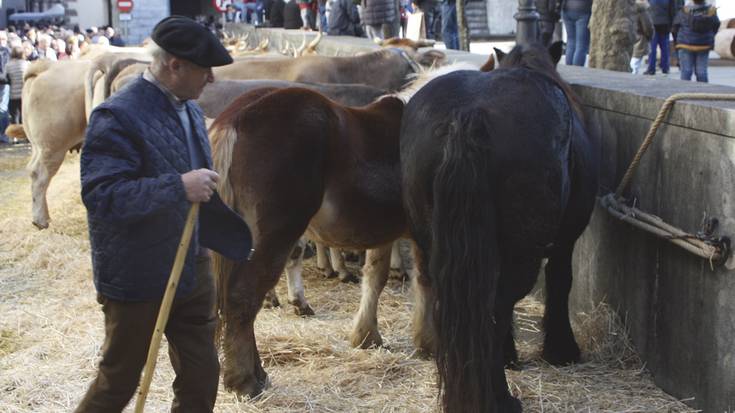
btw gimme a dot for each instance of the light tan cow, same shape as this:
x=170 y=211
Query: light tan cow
x=53 y=121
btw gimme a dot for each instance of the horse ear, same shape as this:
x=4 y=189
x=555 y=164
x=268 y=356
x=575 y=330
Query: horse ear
x=489 y=66
x=499 y=53
x=555 y=51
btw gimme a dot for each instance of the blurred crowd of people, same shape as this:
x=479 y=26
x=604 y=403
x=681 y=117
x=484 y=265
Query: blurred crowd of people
x=21 y=45
x=375 y=19
x=687 y=27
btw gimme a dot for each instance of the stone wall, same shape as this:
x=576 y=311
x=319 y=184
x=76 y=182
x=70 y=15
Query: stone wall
x=680 y=311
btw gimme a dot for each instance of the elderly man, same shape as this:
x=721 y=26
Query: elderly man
x=146 y=157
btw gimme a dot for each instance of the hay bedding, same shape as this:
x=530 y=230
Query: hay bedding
x=51 y=331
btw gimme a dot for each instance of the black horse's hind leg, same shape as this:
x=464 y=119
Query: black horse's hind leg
x=559 y=344
x=510 y=354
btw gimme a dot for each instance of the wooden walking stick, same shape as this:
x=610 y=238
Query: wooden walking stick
x=168 y=298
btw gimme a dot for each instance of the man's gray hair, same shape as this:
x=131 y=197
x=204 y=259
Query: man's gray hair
x=158 y=55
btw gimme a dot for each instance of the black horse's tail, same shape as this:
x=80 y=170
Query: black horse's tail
x=465 y=265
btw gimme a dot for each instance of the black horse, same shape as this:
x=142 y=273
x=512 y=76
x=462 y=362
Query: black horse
x=498 y=173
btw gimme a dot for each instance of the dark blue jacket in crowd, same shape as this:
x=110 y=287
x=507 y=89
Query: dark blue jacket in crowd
x=344 y=19
x=708 y=21
x=134 y=154
x=662 y=11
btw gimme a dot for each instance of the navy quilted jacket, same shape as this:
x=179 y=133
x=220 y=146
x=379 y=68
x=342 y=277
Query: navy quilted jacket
x=134 y=154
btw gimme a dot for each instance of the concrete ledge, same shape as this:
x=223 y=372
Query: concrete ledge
x=680 y=311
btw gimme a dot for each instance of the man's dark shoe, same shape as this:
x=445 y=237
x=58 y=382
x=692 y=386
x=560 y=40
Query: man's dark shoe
x=648 y=72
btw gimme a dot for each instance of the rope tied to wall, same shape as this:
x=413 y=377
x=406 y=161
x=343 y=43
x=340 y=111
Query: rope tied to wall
x=704 y=244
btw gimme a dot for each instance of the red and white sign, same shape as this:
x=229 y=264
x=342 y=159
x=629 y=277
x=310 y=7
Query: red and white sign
x=221 y=5
x=125 y=6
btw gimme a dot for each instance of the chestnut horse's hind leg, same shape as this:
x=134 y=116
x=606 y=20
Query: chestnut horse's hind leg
x=375 y=275
x=294 y=268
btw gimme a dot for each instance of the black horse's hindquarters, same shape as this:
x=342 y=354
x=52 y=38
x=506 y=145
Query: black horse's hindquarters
x=490 y=154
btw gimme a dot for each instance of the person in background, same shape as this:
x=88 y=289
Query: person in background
x=305 y=9
x=275 y=15
x=322 y=22
x=4 y=85
x=696 y=26
x=379 y=16
x=662 y=14
x=115 y=39
x=59 y=46
x=644 y=31
x=549 y=14
x=29 y=51
x=45 y=51
x=72 y=47
x=428 y=7
x=450 y=30
x=292 y=15
x=576 y=16
x=17 y=66
x=344 y=20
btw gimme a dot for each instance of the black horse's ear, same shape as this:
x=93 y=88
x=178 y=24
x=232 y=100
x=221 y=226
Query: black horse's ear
x=499 y=53
x=555 y=51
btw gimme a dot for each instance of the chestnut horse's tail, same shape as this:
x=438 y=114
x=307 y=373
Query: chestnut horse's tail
x=464 y=264
x=223 y=136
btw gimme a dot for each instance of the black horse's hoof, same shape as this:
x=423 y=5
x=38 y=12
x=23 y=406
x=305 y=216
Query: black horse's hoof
x=330 y=274
x=510 y=404
x=561 y=354
x=350 y=279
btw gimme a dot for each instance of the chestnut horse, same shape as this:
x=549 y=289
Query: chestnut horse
x=498 y=172
x=293 y=162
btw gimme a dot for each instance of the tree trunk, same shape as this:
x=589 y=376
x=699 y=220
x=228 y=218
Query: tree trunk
x=464 y=38
x=612 y=34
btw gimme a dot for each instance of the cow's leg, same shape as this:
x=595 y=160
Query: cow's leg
x=271 y=299
x=338 y=263
x=294 y=267
x=375 y=275
x=44 y=166
x=246 y=288
x=322 y=261
x=424 y=330
x=396 y=261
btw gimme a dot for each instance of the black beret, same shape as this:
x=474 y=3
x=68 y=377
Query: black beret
x=187 y=39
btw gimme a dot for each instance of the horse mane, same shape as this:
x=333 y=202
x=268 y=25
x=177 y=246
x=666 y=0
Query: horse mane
x=420 y=79
x=223 y=136
x=536 y=58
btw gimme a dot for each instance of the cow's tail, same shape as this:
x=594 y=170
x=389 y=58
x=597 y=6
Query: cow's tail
x=95 y=71
x=115 y=70
x=36 y=68
x=464 y=264
x=223 y=136
x=31 y=74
